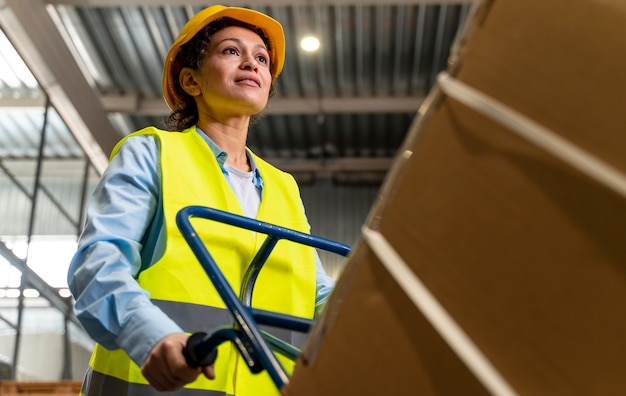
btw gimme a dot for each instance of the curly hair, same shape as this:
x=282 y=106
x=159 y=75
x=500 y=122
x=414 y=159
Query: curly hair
x=191 y=55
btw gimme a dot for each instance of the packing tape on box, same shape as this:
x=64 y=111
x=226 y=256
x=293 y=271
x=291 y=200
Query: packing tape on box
x=534 y=133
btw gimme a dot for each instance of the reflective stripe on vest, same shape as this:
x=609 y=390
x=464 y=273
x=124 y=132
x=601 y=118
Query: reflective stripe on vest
x=98 y=384
x=179 y=285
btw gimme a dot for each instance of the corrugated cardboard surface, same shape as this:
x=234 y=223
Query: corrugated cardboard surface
x=377 y=343
x=526 y=253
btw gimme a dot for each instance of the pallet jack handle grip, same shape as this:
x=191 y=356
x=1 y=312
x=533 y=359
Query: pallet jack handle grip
x=197 y=352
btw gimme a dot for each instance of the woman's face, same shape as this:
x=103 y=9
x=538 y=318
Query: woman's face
x=234 y=78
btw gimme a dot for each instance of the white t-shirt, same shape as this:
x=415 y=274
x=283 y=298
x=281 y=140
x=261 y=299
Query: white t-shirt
x=246 y=192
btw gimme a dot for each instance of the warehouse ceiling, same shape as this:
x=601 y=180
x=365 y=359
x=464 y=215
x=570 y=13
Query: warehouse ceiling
x=344 y=109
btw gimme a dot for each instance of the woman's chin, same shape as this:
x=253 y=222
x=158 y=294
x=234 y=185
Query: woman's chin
x=251 y=109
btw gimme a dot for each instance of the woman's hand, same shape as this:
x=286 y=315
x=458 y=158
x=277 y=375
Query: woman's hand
x=166 y=368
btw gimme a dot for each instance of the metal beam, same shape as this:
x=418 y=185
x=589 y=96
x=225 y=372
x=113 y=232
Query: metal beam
x=35 y=281
x=239 y=3
x=36 y=38
x=133 y=104
x=72 y=169
x=340 y=170
x=355 y=105
x=327 y=167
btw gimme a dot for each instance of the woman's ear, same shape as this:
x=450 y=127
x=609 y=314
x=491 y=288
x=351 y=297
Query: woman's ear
x=188 y=82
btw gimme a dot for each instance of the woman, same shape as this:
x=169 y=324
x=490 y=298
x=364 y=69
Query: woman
x=139 y=290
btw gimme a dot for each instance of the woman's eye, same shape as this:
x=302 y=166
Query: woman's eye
x=262 y=58
x=230 y=51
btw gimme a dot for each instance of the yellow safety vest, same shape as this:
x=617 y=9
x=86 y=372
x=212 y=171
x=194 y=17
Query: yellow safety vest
x=178 y=284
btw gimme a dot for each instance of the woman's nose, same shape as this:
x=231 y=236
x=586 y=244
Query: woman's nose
x=249 y=63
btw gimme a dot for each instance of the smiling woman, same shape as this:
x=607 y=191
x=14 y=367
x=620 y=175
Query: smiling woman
x=138 y=287
x=233 y=79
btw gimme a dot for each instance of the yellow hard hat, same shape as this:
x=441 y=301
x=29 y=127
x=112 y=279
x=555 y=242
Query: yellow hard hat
x=272 y=29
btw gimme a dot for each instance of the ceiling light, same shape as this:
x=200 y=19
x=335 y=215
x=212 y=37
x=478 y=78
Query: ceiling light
x=310 y=43
x=31 y=293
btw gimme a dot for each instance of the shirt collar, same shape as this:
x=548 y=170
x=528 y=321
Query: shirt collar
x=221 y=156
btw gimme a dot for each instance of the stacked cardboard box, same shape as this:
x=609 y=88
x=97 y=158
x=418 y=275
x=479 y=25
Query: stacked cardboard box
x=524 y=250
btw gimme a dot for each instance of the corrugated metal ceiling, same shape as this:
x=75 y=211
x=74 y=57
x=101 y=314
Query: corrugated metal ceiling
x=349 y=104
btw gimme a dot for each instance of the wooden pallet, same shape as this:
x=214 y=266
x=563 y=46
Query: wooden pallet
x=57 y=388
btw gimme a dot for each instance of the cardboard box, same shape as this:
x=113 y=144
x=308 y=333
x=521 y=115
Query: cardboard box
x=524 y=251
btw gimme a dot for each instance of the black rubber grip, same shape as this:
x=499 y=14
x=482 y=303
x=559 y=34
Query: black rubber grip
x=197 y=352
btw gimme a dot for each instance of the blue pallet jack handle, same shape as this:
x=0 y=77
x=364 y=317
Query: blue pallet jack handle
x=252 y=343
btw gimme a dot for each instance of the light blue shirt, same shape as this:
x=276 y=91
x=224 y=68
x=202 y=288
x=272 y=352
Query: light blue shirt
x=123 y=236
